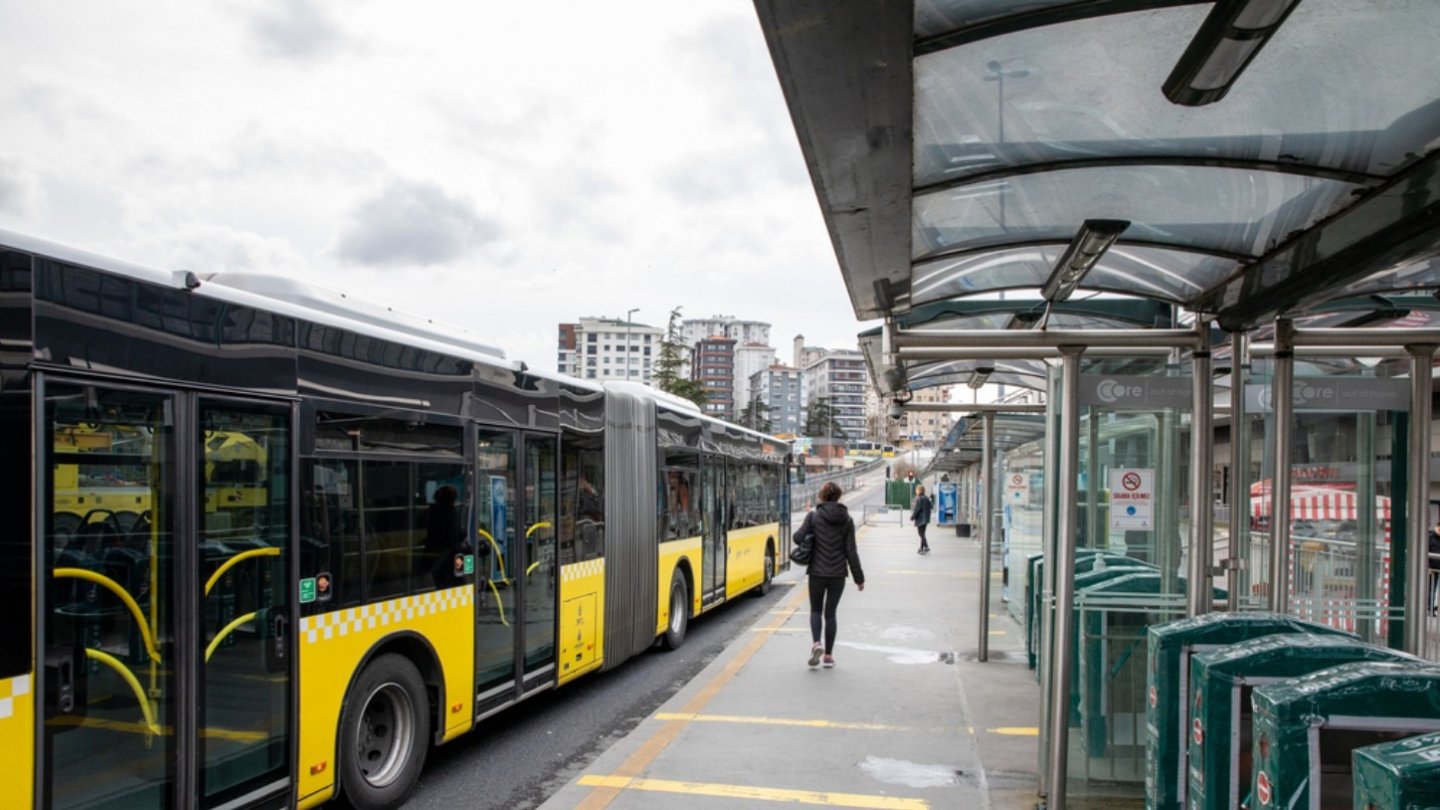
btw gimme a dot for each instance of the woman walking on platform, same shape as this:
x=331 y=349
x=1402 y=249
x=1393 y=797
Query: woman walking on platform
x=920 y=516
x=831 y=535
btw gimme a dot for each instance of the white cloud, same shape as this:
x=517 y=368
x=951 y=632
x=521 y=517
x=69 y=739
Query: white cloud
x=412 y=223
x=20 y=191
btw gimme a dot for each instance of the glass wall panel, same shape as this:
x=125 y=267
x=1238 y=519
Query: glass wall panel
x=1343 y=467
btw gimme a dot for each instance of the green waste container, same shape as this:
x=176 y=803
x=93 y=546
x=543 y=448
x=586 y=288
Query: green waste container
x=1306 y=728
x=900 y=493
x=1221 y=683
x=1114 y=652
x=1085 y=581
x=1086 y=560
x=1404 y=774
x=1167 y=716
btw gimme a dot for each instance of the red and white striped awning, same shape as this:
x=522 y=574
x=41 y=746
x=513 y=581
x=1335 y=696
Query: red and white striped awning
x=1310 y=502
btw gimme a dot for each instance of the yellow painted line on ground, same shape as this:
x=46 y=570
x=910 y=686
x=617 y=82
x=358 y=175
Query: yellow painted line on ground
x=635 y=764
x=748 y=793
x=779 y=629
x=775 y=721
x=997 y=632
x=1016 y=731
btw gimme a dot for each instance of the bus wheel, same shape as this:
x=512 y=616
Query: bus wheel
x=384 y=735
x=679 y=614
x=769 y=573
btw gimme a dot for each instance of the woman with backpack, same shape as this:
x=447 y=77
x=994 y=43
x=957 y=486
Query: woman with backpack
x=830 y=533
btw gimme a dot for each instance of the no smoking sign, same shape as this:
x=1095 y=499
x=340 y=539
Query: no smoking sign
x=1132 y=499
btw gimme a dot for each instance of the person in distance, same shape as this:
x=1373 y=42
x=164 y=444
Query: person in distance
x=920 y=516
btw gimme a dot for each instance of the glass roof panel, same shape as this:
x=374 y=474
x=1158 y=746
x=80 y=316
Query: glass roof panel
x=1166 y=275
x=934 y=17
x=1091 y=89
x=1413 y=276
x=1224 y=210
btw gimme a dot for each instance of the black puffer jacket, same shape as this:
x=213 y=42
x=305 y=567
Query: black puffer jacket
x=832 y=542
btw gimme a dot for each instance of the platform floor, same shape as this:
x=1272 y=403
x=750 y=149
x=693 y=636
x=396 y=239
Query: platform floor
x=907 y=719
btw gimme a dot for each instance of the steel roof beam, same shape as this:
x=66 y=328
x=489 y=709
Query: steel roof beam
x=1048 y=338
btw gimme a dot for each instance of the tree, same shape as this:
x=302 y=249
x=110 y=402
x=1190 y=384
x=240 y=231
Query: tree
x=672 y=360
x=756 y=416
x=820 y=419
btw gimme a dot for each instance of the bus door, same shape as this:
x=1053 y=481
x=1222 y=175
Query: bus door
x=538 y=587
x=497 y=523
x=166 y=615
x=713 y=545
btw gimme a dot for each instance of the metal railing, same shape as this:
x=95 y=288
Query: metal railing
x=806 y=494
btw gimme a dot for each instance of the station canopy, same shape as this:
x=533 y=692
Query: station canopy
x=1242 y=160
x=965 y=443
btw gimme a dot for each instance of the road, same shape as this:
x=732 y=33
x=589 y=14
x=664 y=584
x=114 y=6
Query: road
x=522 y=756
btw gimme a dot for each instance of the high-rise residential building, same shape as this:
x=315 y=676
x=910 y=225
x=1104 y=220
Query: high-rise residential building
x=609 y=349
x=749 y=358
x=840 y=378
x=805 y=356
x=752 y=349
x=741 y=331
x=782 y=390
x=713 y=364
x=929 y=427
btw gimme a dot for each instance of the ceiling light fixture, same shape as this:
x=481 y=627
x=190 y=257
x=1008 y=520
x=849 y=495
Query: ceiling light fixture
x=1231 y=36
x=979 y=376
x=1090 y=243
x=1023 y=320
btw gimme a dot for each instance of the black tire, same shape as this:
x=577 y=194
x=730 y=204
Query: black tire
x=674 y=634
x=769 y=573
x=384 y=734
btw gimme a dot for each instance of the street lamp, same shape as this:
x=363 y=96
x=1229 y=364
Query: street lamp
x=995 y=72
x=629 y=313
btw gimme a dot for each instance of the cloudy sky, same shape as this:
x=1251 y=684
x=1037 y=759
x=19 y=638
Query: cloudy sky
x=503 y=166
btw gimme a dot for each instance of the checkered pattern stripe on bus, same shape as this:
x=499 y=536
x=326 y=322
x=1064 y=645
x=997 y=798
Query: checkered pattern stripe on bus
x=580 y=570
x=11 y=688
x=382 y=614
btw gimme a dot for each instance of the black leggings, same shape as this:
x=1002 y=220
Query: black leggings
x=920 y=527
x=824 y=594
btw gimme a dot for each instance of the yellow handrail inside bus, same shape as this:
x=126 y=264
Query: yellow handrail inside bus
x=544 y=524
x=488 y=581
x=114 y=587
x=496 y=547
x=129 y=678
x=229 y=628
x=238 y=558
x=499 y=604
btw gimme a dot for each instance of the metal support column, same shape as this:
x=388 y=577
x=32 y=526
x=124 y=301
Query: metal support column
x=1047 y=583
x=987 y=509
x=1366 y=578
x=1417 y=568
x=1202 y=511
x=1282 y=400
x=1064 y=567
x=1237 y=578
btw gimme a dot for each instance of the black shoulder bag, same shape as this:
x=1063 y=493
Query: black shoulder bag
x=800 y=544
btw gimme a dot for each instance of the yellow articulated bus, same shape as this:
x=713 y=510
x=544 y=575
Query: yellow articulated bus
x=280 y=544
